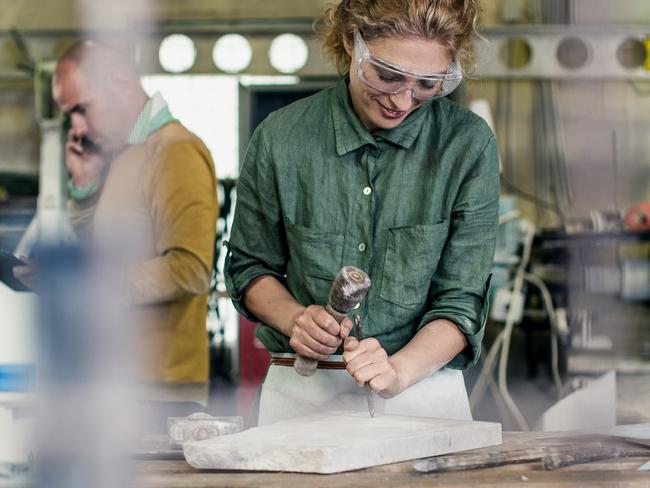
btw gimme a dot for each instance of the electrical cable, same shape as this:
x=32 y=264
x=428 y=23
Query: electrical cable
x=501 y=123
x=502 y=341
x=508 y=216
x=508 y=185
x=552 y=318
x=508 y=328
x=485 y=376
x=559 y=148
x=486 y=372
x=501 y=406
x=508 y=145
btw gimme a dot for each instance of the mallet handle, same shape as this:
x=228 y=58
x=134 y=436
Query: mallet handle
x=306 y=366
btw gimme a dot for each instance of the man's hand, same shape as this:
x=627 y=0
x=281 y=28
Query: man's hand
x=84 y=161
x=316 y=335
x=368 y=362
x=27 y=274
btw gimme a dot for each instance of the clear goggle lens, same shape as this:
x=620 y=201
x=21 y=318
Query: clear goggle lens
x=392 y=80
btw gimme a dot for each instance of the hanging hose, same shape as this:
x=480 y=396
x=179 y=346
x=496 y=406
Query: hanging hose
x=510 y=320
x=502 y=342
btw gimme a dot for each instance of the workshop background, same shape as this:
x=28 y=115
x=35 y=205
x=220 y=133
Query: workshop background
x=566 y=88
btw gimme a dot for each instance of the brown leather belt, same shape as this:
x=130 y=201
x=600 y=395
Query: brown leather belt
x=321 y=364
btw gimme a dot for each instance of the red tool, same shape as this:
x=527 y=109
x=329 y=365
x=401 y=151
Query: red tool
x=638 y=216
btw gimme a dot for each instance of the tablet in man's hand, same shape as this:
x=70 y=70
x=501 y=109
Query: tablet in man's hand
x=7 y=264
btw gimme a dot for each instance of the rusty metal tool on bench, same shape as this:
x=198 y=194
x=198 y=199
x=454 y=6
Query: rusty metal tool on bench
x=551 y=457
x=349 y=288
x=366 y=386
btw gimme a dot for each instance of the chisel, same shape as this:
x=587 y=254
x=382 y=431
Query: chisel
x=366 y=386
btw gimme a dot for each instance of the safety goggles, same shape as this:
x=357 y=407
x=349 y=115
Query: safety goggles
x=392 y=79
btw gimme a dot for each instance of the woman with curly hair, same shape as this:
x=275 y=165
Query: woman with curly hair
x=384 y=173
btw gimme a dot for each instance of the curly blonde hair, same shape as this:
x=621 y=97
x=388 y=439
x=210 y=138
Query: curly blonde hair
x=451 y=22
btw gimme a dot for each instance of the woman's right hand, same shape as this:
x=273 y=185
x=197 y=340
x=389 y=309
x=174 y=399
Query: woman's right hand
x=316 y=335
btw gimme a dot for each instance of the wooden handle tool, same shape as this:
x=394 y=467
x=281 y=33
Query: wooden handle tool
x=551 y=457
x=349 y=288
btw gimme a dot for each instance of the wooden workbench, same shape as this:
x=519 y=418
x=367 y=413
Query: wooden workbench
x=621 y=472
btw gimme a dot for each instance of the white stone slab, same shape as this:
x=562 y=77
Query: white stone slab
x=591 y=407
x=339 y=441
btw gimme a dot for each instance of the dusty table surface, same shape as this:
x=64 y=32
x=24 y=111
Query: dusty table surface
x=620 y=472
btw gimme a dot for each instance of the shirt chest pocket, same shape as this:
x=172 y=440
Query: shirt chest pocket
x=412 y=255
x=313 y=252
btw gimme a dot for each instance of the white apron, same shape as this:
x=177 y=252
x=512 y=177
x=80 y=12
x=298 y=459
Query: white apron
x=286 y=394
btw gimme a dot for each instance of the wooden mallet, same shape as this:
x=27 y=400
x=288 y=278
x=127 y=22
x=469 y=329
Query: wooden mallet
x=349 y=287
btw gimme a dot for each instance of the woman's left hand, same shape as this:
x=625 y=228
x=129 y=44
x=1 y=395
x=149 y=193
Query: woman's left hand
x=368 y=362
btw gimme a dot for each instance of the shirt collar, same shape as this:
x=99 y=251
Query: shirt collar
x=154 y=115
x=351 y=134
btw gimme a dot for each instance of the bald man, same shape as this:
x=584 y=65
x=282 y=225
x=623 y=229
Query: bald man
x=141 y=181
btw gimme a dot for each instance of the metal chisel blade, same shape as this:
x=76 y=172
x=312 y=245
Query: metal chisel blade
x=370 y=399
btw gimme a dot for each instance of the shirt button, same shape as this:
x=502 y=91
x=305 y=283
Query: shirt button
x=362 y=247
x=367 y=191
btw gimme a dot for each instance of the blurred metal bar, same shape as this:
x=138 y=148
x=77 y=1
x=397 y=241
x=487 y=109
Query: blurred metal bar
x=601 y=47
x=566 y=52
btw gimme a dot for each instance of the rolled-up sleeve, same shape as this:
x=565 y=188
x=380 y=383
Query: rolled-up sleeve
x=256 y=246
x=458 y=290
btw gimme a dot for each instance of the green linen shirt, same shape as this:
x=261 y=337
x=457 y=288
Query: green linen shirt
x=414 y=206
